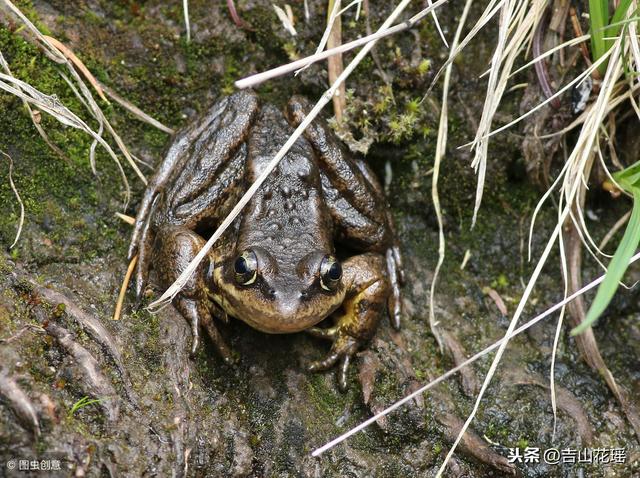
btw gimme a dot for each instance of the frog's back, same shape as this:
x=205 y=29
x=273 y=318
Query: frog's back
x=287 y=214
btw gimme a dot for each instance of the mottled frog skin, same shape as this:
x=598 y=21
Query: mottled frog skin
x=276 y=268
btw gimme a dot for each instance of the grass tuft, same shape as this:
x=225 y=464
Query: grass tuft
x=82 y=403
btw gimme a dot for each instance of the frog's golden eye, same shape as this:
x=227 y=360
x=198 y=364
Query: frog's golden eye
x=330 y=273
x=246 y=268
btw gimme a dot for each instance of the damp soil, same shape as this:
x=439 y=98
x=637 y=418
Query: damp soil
x=160 y=412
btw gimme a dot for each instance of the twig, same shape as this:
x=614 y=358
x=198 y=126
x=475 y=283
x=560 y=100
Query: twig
x=325 y=36
x=335 y=66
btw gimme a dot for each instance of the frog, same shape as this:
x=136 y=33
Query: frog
x=316 y=241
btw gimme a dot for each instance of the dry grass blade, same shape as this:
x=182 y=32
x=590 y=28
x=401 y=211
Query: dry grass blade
x=187 y=25
x=549 y=52
x=489 y=12
x=286 y=21
x=437 y=23
x=137 y=112
x=94 y=110
x=51 y=105
x=66 y=51
x=325 y=36
x=33 y=34
x=128 y=219
x=565 y=88
x=123 y=288
x=612 y=232
x=258 y=78
x=17 y=194
x=556 y=337
x=441 y=147
x=578 y=161
x=35 y=118
x=616 y=101
x=516 y=23
x=171 y=292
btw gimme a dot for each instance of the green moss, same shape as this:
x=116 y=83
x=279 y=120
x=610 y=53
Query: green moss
x=326 y=401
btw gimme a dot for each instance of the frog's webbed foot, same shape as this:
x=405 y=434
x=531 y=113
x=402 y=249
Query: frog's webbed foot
x=198 y=315
x=177 y=246
x=343 y=349
x=368 y=290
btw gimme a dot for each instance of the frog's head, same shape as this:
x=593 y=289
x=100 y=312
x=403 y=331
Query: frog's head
x=283 y=294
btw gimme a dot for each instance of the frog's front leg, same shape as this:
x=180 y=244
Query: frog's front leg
x=177 y=246
x=367 y=292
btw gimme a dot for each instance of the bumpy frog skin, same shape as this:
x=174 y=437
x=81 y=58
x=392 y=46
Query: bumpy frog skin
x=276 y=267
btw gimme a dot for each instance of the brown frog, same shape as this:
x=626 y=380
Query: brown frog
x=276 y=268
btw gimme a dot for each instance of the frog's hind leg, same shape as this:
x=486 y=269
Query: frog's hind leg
x=356 y=201
x=367 y=292
x=182 y=189
x=177 y=246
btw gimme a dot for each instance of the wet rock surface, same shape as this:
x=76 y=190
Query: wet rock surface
x=161 y=413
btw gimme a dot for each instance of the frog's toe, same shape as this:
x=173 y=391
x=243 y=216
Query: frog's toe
x=343 y=349
x=395 y=311
x=223 y=349
x=328 y=333
x=394 y=269
x=326 y=363
x=342 y=372
x=190 y=311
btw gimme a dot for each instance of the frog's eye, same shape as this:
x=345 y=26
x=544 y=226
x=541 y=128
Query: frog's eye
x=330 y=273
x=246 y=268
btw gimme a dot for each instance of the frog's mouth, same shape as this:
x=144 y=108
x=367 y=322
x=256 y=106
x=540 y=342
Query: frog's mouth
x=287 y=317
x=284 y=316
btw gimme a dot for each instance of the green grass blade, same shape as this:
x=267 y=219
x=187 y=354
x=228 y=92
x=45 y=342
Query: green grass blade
x=598 y=19
x=616 y=23
x=83 y=402
x=619 y=14
x=617 y=266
